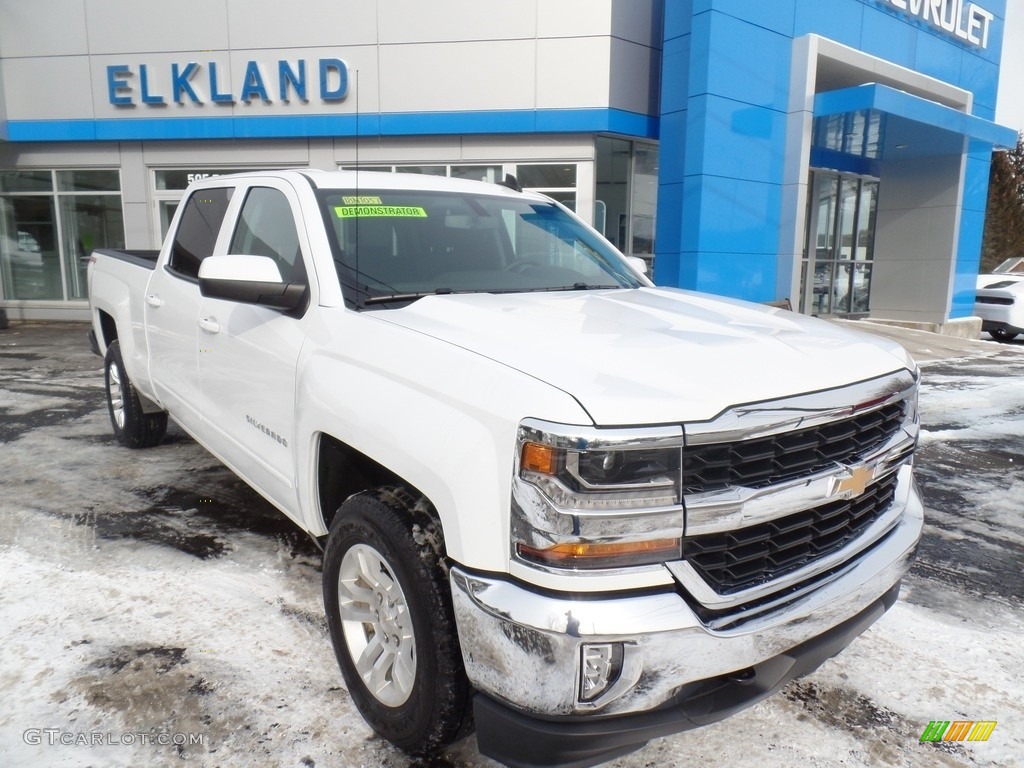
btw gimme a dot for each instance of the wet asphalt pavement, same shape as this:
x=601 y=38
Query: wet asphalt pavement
x=153 y=590
x=968 y=459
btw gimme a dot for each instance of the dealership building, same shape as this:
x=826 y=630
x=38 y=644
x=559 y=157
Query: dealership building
x=834 y=153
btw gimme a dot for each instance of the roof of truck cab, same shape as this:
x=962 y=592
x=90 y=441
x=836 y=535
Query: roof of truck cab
x=377 y=180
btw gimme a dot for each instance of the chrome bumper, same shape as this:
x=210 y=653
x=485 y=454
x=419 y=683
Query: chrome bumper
x=524 y=648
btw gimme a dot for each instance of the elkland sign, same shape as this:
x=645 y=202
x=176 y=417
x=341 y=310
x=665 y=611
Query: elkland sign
x=959 y=18
x=195 y=83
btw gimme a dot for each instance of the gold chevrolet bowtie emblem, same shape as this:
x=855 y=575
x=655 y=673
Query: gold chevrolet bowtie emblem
x=853 y=483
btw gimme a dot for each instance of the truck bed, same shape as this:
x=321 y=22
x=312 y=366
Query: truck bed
x=118 y=302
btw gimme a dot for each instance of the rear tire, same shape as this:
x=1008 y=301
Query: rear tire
x=389 y=611
x=133 y=427
x=1001 y=334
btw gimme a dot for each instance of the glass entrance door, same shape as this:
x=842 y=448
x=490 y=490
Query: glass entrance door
x=840 y=244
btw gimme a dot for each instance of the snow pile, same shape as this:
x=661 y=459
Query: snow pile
x=149 y=598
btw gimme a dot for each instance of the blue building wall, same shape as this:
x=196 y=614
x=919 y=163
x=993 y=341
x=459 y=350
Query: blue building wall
x=725 y=96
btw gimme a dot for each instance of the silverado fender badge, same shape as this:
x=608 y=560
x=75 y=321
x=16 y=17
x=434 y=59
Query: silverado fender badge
x=268 y=432
x=852 y=483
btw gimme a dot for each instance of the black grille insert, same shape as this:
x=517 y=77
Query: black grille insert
x=1004 y=301
x=762 y=461
x=744 y=558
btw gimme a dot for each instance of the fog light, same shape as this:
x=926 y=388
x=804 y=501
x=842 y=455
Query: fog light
x=600 y=667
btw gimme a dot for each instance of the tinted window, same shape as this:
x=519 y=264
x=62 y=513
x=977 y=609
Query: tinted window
x=198 y=229
x=395 y=245
x=266 y=227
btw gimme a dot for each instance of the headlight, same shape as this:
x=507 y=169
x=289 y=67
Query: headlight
x=597 y=498
x=587 y=480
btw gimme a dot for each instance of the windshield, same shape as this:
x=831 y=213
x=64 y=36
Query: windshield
x=394 y=246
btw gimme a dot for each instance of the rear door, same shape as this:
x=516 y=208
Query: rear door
x=249 y=353
x=172 y=304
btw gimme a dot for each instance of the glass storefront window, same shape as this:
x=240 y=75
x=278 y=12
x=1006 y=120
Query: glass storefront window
x=425 y=170
x=29 y=256
x=856 y=133
x=848 y=217
x=179 y=178
x=88 y=222
x=627 y=194
x=373 y=168
x=547 y=176
x=644 y=199
x=860 y=288
x=556 y=180
x=840 y=244
x=826 y=233
x=611 y=167
x=488 y=173
x=88 y=181
x=166 y=209
x=868 y=207
x=841 y=288
x=46 y=237
x=822 y=288
x=26 y=181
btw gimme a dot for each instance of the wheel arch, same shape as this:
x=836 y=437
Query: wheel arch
x=342 y=471
x=107 y=328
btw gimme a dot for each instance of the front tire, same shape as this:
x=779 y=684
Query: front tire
x=133 y=427
x=390 y=616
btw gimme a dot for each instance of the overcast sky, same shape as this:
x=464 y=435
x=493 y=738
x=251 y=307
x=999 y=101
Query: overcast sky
x=1010 y=104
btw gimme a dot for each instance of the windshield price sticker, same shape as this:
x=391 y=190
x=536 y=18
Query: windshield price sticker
x=379 y=211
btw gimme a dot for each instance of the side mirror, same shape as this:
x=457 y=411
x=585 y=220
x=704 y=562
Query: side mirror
x=249 y=280
x=634 y=261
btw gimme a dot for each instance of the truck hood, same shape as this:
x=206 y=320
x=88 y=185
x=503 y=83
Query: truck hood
x=654 y=355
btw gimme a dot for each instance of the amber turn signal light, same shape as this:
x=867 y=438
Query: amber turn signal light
x=602 y=555
x=539 y=458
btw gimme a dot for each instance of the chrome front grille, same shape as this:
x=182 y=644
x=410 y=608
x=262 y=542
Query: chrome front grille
x=751 y=556
x=778 y=494
x=775 y=458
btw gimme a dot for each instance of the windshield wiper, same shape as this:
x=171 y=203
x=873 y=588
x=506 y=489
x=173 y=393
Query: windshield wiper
x=549 y=289
x=398 y=297
x=392 y=297
x=574 y=287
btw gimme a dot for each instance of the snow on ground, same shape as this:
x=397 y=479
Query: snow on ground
x=147 y=597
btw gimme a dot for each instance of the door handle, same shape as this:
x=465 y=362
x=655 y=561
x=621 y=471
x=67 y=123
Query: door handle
x=209 y=325
x=154 y=301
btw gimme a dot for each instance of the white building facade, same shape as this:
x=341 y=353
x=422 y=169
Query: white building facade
x=759 y=150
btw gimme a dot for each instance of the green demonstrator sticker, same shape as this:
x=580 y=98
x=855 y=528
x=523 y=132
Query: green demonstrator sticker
x=369 y=211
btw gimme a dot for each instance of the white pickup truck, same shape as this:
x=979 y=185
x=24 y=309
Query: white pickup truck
x=556 y=502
